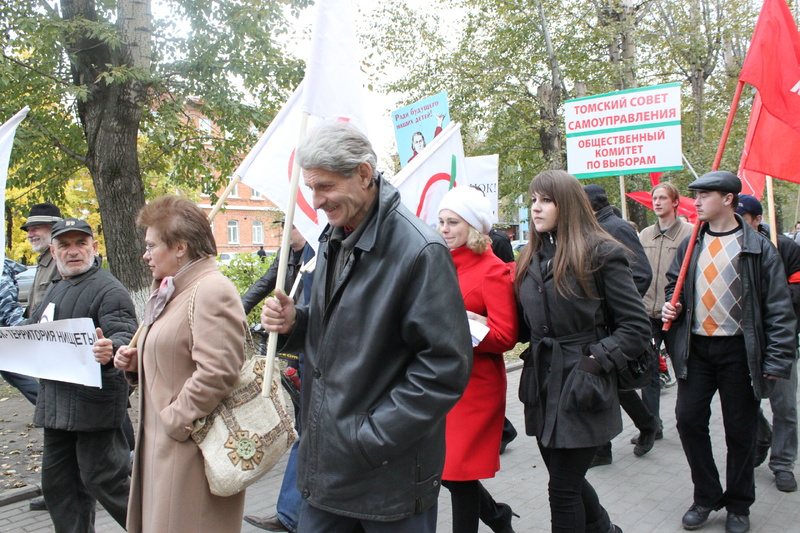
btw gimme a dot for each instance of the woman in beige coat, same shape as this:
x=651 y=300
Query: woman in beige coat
x=183 y=372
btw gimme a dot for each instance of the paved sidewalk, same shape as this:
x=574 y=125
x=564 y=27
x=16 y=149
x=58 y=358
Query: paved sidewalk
x=647 y=494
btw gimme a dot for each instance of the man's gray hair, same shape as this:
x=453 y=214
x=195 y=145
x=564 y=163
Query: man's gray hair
x=337 y=147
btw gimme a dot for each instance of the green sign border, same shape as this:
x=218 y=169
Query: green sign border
x=636 y=90
x=605 y=173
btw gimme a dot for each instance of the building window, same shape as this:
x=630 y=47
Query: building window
x=256 y=195
x=258 y=232
x=235 y=191
x=233 y=232
x=204 y=125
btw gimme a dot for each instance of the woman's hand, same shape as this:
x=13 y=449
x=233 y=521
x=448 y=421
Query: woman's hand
x=478 y=318
x=127 y=359
x=278 y=313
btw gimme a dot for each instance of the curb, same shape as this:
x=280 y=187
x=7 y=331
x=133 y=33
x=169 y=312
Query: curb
x=516 y=365
x=7 y=497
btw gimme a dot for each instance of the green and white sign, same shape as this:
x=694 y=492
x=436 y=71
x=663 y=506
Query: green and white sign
x=625 y=132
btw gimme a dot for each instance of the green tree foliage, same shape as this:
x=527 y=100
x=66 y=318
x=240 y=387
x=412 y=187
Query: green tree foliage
x=498 y=71
x=112 y=89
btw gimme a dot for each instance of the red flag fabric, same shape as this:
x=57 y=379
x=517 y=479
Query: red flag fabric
x=770 y=148
x=655 y=178
x=686 y=207
x=772 y=64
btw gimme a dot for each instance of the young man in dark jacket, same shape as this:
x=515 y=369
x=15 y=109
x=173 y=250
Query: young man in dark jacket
x=386 y=343
x=734 y=332
x=86 y=455
x=783 y=399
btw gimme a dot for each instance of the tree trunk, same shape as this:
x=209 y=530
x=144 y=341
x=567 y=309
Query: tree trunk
x=550 y=99
x=110 y=117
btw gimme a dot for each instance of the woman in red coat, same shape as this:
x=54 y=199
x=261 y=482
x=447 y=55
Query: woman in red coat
x=474 y=426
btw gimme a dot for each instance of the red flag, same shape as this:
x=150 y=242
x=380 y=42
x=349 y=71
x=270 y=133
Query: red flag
x=685 y=207
x=770 y=148
x=772 y=64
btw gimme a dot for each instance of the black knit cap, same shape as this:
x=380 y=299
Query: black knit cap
x=45 y=213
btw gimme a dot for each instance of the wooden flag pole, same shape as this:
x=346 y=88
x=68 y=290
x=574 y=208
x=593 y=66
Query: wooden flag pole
x=676 y=294
x=283 y=258
x=623 y=204
x=771 y=200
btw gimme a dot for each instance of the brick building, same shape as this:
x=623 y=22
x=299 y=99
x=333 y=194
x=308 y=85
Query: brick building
x=248 y=222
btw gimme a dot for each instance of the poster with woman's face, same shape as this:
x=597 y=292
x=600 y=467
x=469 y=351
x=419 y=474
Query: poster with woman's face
x=417 y=124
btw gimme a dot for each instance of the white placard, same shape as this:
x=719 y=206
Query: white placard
x=60 y=350
x=626 y=132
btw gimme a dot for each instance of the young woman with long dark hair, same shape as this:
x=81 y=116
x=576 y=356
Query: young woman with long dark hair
x=579 y=306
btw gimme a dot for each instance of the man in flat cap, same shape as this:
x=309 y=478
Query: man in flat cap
x=39 y=226
x=783 y=399
x=733 y=332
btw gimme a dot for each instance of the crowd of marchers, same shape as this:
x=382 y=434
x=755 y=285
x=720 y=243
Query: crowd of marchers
x=399 y=334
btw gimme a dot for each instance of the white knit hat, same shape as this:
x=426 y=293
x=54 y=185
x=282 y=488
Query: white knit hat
x=471 y=205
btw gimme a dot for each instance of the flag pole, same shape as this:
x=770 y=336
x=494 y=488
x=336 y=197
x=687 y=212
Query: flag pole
x=676 y=294
x=771 y=199
x=283 y=258
x=622 y=202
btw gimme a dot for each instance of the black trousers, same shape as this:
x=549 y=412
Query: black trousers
x=471 y=503
x=80 y=468
x=719 y=364
x=574 y=505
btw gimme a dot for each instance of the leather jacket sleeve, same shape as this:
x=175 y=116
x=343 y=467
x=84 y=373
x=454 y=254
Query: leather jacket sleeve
x=630 y=331
x=777 y=319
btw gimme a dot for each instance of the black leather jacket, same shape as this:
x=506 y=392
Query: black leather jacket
x=385 y=361
x=768 y=318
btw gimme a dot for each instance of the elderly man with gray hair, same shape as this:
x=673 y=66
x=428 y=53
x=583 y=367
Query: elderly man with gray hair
x=386 y=343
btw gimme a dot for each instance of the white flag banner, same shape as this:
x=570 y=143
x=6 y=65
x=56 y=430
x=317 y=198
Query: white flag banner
x=60 y=350
x=438 y=167
x=482 y=171
x=333 y=74
x=332 y=90
x=7 y=132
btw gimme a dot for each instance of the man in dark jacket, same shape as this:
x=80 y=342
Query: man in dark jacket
x=631 y=402
x=734 y=332
x=386 y=343
x=783 y=399
x=86 y=456
x=299 y=254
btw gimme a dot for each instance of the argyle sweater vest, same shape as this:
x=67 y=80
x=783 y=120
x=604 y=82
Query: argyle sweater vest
x=718 y=286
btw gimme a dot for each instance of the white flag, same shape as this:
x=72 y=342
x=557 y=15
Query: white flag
x=482 y=171
x=331 y=90
x=7 y=132
x=434 y=171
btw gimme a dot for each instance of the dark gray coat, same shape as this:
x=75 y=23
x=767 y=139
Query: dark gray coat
x=570 y=400
x=98 y=295
x=385 y=360
x=768 y=318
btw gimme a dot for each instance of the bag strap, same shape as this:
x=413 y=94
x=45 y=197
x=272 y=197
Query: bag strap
x=269 y=367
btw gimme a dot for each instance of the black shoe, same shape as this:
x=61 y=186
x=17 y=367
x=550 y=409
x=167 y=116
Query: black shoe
x=600 y=460
x=507 y=438
x=645 y=444
x=697 y=516
x=503 y=523
x=785 y=481
x=37 y=504
x=762 y=451
x=268 y=523
x=737 y=523
x=659 y=436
